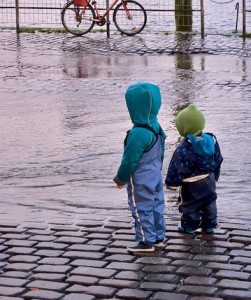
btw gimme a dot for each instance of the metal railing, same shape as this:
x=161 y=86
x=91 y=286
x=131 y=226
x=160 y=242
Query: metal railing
x=162 y=15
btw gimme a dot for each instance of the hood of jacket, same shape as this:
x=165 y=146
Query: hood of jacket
x=204 y=144
x=143 y=101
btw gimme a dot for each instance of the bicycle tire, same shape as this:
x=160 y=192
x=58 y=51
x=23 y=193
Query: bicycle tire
x=68 y=18
x=130 y=26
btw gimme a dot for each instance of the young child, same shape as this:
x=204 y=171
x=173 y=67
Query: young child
x=141 y=165
x=195 y=167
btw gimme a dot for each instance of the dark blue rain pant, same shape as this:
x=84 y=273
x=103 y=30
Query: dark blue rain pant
x=198 y=203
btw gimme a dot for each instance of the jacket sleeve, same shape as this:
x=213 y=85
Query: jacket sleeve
x=138 y=140
x=178 y=168
x=219 y=160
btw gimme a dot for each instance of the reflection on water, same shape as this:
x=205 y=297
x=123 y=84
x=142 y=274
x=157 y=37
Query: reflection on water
x=63 y=122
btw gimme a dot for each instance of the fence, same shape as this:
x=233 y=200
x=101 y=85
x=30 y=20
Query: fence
x=208 y=16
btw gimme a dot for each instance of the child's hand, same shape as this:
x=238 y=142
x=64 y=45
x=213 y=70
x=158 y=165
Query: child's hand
x=118 y=182
x=120 y=186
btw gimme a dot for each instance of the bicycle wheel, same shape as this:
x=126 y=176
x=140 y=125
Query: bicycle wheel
x=76 y=23
x=134 y=22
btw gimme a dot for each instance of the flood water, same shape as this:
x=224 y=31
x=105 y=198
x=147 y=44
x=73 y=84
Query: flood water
x=64 y=118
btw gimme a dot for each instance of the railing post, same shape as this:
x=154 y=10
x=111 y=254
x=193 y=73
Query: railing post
x=17 y=16
x=244 y=19
x=107 y=20
x=202 y=20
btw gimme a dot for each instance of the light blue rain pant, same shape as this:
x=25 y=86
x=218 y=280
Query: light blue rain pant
x=146 y=197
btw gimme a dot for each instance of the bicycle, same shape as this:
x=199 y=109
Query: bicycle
x=129 y=16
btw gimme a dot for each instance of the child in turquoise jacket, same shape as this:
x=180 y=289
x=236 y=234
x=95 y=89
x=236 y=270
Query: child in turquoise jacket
x=141 y=166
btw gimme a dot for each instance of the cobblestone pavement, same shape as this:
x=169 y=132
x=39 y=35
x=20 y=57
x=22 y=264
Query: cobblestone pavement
x=85 y=257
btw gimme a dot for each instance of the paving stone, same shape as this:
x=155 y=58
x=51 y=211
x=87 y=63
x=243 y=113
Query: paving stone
x=133 y=294
x=120 y=257
x=4 y=223
x=64 y=227
x=49 y=253
x=102 y=236
x=86 y=247
x=49 y=276
x=153 y=260
x=171 y=296
x=3 y=256
x=53 y=261
x=179 y=248
x=118 y=283
x=100 y=242
x=95 y=290
x=241 y=260
x=15 y=236
x=247 y=269
x=218 y=266
x=94 y=272
x=69 y=233
x=43 y=294
x=181 y=255
x=16 y=274
x=31 y=225
x=48 y=285
x=233 y=275
x=183 y=262
x=13 y=282
x=244 y=233
x=236 y=294
x=89 y=223
x=200 y=280
x=84 y=280
x=241 y=239
x=20 y=243
x=124 y=266
x=12 y=230
x=10 y=298
x=40 y=232
x=75 y=296
x=227 y=245
x=52 y=269
x=171 y=278
x=214 y=258
x=81 y=254
x=194 y=271
x=20 y=267
x=244 y=253
x=89 y=263
x=198 y=290
x=130 y=275
x=11 y=291
x=71 y=240
x=24 y=258
x=158 y=286
x=42 y=238
x=234 y=284
x=51 y=245
x=21 y=250
x=159 y=269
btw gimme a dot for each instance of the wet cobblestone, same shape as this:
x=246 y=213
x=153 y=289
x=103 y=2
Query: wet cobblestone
x=85 y=257
x=189 y=266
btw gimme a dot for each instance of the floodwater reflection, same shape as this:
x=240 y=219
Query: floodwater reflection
x=63 y=122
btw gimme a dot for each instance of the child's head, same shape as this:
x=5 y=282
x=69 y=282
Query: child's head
x=190 y=121
x=143 y=101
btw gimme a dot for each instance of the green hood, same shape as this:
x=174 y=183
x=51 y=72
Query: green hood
x=143 y=101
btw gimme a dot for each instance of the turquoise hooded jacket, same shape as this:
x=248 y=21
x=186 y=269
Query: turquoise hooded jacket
x=143 y=101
